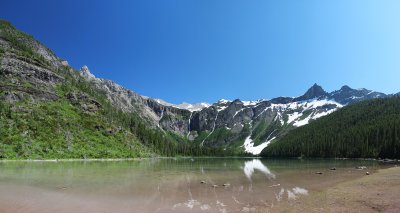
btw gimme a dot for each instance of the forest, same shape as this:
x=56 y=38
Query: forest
x=368 y=129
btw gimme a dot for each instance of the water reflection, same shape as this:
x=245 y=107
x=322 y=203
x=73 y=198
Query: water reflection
x=292 y=194
x=256 y=164
x=167 y=185
x=295 y=192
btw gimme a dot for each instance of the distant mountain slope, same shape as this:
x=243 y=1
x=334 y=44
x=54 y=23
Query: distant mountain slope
x=368 y=129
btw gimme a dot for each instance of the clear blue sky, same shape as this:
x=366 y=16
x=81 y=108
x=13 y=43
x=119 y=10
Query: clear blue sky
x=205 y=50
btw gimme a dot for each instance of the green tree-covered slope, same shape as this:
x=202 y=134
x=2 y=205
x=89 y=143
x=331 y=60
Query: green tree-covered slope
x=369 y=129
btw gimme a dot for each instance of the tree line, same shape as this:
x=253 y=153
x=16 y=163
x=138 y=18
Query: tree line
x=369 y=129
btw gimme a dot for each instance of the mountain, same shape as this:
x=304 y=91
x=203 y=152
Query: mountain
x=49 y=109
x=254 y=124
x=368 y=129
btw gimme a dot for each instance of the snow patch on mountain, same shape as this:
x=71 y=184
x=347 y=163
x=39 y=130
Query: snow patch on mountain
x=186 y=106
x=223 y=101
x=255 y=150
x=160 y=101
x=193 y=107
x=252 y=103
x=302 y=122
x=221 y=108
x=293 y=117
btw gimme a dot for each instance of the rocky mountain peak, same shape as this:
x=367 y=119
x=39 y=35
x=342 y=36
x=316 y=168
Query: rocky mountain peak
x=314 y=92
x=345 y=88
x=85 y=72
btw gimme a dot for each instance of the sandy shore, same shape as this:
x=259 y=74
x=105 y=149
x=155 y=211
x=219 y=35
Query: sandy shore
x=378 y=192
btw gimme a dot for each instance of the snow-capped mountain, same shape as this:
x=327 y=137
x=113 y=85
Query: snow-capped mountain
x=226 y=123
x=257 y=123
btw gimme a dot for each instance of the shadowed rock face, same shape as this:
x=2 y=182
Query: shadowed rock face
x=348 y=95
x=31 y=71
x=315 y=91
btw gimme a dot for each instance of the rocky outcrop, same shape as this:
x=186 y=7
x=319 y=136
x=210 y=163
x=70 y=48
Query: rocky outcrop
x=314 y=92
x=157 y=115
x=86 y=103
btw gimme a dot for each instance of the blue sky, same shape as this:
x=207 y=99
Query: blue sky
x=191 y=50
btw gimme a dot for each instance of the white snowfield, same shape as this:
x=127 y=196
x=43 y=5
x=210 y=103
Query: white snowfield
x=193 y=107
x=255 y=150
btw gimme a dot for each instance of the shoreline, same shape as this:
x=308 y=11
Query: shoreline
x=377 y=192
x=118 y=159
x=186 y=157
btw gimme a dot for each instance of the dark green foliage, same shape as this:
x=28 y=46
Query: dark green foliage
x=1 y=52
x=60 y=130
x=368 y=129
x=5 y=24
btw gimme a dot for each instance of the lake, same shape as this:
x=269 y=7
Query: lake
x=168 y=185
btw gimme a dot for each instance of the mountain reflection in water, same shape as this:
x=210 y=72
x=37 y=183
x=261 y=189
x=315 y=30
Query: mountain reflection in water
x=256 y=164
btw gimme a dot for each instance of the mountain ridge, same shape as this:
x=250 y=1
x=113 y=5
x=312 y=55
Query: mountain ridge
x=289 y=112
x=34 y=78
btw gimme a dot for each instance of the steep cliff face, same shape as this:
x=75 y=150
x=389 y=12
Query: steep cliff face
x=156 y=114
